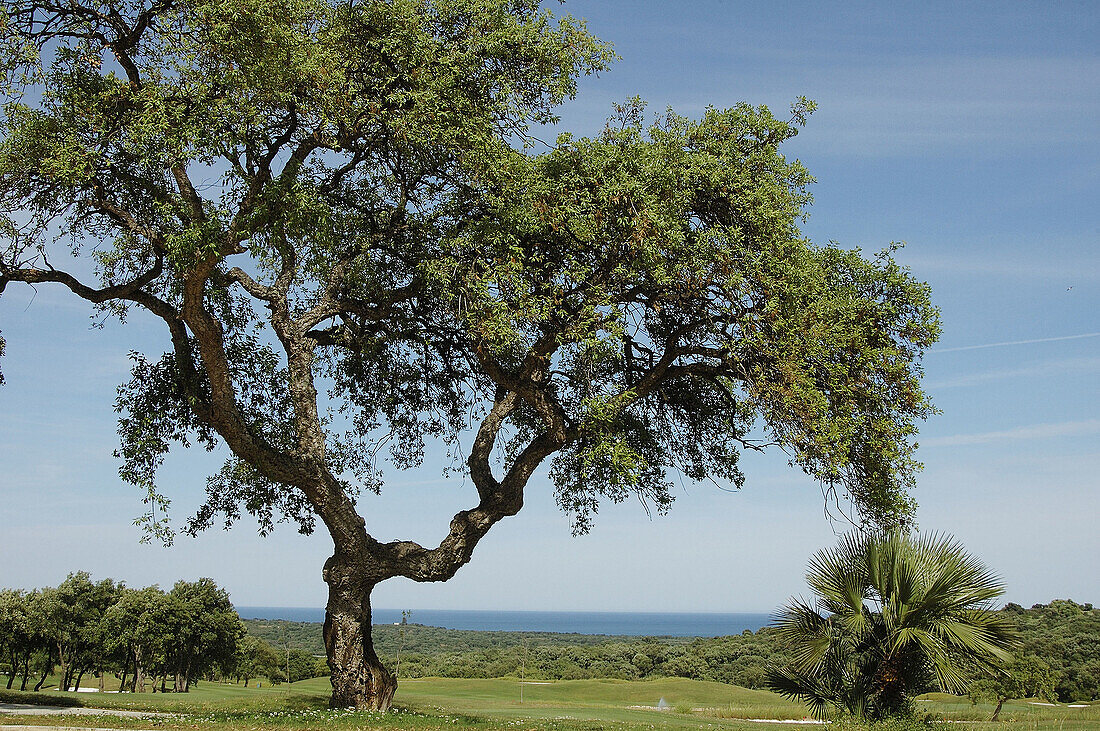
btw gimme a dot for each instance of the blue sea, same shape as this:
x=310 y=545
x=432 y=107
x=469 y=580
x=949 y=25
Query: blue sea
x=654 y=624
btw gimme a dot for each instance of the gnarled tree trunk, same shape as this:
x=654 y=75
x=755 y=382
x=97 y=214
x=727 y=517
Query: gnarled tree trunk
x=359 y=679
x=138 y=685
x=63 y=661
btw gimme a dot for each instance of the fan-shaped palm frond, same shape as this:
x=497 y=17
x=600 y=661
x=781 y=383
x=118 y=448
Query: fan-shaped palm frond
x=893 y=613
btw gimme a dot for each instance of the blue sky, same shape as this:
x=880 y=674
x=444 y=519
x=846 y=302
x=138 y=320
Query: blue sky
x=967 y=130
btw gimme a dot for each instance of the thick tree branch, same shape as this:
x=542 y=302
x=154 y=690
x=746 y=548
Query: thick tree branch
x=190 y=196
x=499 y=499
x=227 y=418
x=122 y=217
x=127 y=290
x=250 y=285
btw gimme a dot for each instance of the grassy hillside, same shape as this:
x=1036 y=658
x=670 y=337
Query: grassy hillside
x=490 y=704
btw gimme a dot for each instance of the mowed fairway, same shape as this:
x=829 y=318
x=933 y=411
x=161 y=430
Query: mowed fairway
x=441 y=703
x=597 y=700
x=710 y=704
x=438 y=703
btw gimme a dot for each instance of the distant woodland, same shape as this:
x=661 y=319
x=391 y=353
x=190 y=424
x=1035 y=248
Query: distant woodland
x=149 y=640
x=1063 y=634
x=166 y=640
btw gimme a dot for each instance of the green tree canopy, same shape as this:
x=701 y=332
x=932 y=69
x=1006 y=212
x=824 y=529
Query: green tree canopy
x=20 y=633
x=1065 y=635
x=644 y=302
x=205 y=633
x=254 y=658
x=138 y=627
x=1025 y=677
x=71 y=616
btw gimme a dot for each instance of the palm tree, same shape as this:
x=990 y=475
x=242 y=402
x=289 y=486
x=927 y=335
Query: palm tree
x=893 y=614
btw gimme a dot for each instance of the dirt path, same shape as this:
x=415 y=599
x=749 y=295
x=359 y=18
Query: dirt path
x=27 y=709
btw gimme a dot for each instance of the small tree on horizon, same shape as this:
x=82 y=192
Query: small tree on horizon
x=138 y=629
x=71 y=616
x=254 y=658
x=1025 y=677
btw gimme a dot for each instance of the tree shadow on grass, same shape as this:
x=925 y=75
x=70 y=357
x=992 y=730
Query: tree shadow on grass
x=307 y=702
x=39 y=699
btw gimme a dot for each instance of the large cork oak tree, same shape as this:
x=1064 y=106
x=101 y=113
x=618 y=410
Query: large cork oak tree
x=343 y=196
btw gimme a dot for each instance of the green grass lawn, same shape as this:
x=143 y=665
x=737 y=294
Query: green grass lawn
x=437 y=703
x=1022 y=714
x=597 y=700
x=202 y=698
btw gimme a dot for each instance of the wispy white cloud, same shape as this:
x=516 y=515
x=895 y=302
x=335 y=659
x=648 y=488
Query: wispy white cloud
x=914 y=104
x=1015 y=342
x=897 y=106
x=1071 y=365
x=1033 y=432
x=1082 y=267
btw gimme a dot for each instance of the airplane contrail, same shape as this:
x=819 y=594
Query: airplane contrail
x=1014 y=342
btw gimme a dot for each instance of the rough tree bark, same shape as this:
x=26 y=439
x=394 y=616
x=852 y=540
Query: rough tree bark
x=359 y=679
